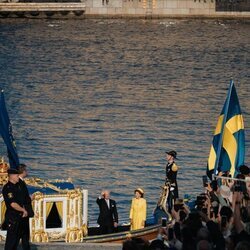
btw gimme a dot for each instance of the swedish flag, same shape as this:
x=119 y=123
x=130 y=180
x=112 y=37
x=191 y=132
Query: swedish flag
x=228 y=146
x=6 y=133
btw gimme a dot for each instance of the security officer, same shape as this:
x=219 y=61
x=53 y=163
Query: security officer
x=14 y=198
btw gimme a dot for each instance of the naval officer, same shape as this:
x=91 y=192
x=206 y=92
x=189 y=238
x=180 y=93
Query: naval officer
x=171 y=177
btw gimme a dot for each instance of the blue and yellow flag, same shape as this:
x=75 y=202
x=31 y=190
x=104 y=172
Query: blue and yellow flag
x=228 y=147
x=6 y=133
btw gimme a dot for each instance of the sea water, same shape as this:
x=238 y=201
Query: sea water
x=100 y=101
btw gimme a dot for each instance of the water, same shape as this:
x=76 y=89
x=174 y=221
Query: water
x=101 y=101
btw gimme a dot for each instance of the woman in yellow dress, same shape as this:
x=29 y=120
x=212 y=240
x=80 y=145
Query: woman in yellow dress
x=138 y=210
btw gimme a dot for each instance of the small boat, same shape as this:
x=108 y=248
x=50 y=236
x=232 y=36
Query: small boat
x=60 y=208
x=61 y=212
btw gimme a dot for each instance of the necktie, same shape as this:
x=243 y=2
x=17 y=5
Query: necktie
x=107 y=201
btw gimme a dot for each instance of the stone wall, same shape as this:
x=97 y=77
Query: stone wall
x=157 y=8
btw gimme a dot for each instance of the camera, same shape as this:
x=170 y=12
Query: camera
x=201 y=197
x=200 y=201
x=204 y=180
x=237 y=188
x=240 y=186
x=244 y=214
x=211 y=213
x=178 y=205
x=204 y=210
x=223 y=221
x=164 y=222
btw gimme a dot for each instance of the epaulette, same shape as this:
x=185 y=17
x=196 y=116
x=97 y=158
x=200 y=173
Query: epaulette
x=175 y=167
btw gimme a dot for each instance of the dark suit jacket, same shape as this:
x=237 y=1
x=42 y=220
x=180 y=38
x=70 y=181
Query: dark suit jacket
x=107 y=215
x=27 y=203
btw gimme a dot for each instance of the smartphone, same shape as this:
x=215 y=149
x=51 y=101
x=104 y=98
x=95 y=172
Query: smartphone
x=211 y=213
x=163 y=222
x=170 y=233
x=204 y=180
x=204 y=210
x=238 y=187
x=243 y=187
x=223 y=221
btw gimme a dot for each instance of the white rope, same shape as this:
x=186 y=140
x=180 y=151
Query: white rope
x=232 y=178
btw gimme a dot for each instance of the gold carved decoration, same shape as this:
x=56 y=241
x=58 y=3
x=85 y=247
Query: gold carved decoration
x=39 y=236
x=73 y=229
x=75 y=234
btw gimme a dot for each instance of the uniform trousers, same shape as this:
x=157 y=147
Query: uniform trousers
x=16 y=230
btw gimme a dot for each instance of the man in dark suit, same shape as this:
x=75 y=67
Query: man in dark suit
x=108 y=217
x=22 y=169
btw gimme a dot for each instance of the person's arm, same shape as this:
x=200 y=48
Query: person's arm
x=98 y=200
x=18 y=208
x=203 y=216
x=144 y=212
x=237 y=217
x=115 y=215
x=175 y=214
x=9 y=198
x=186 y=209
x=221 y=200
x=131 y=212
x=27 y=195
x=219 y=180
x=209 y=188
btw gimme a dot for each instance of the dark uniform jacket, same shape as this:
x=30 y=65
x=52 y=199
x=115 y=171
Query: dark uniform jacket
x=171 y=176
x=27 y=201
x=107 y=215
x=13 y=193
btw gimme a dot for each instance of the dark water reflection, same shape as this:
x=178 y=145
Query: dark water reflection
x=101 y=100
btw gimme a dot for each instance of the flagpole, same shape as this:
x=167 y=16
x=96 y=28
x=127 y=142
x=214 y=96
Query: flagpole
x=223 y=124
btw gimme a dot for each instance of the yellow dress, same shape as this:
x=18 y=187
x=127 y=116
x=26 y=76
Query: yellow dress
x=138 y=213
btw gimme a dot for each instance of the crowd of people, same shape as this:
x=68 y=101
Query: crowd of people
x=219 y=219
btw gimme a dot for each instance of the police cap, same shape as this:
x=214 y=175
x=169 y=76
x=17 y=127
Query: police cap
x=12 y=171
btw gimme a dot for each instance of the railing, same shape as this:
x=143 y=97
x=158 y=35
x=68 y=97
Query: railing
x=54 y=7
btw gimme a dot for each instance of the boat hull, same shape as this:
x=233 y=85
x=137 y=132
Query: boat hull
x=147 y=233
